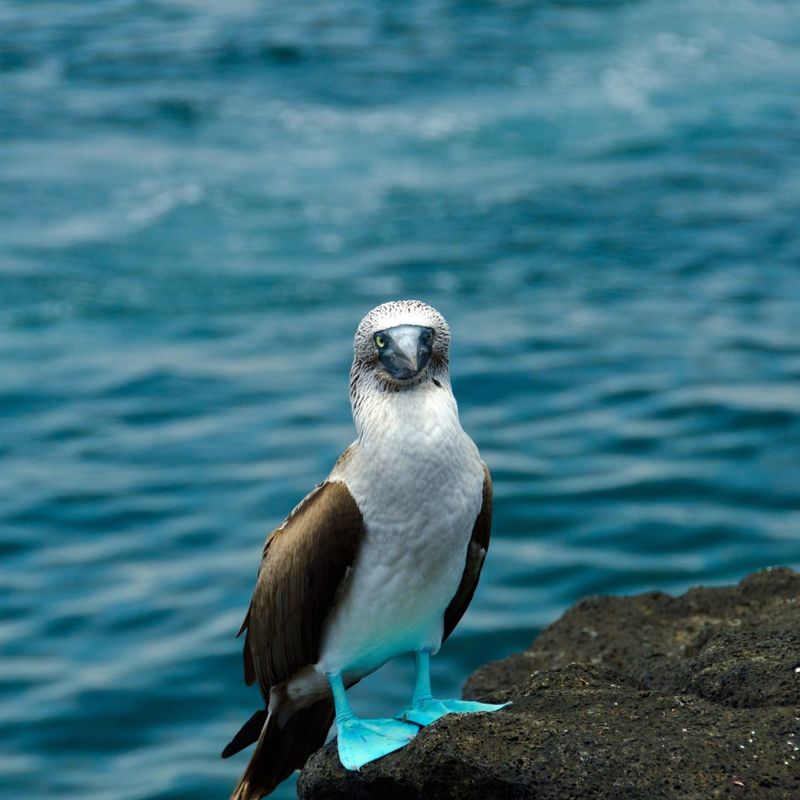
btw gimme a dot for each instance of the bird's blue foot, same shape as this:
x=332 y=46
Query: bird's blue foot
x=360 y=741
x=423 y=712
x=425 y=709
x=363 y=740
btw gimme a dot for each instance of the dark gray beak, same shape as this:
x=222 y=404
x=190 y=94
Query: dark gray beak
x=406 y=351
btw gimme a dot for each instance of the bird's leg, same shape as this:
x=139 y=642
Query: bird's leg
x=425 y=709
x=363 y=740
x=422 y=683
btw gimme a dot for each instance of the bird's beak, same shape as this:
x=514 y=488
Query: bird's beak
x=408 y=351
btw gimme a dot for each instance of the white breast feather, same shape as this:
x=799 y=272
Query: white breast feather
x=418 y=480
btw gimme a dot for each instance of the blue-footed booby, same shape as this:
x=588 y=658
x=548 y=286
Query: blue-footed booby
x=380 y=559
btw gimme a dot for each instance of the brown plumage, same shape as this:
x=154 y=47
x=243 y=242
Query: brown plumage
x=302 y=568
x=476 y=555
x=304 y=564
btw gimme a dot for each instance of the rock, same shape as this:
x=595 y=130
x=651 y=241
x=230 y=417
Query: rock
x=736 y=645
x=692 y=697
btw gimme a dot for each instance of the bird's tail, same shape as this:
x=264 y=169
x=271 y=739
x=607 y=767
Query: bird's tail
x=281 y=749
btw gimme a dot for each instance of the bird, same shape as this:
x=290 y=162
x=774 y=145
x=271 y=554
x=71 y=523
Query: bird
x=381 y=559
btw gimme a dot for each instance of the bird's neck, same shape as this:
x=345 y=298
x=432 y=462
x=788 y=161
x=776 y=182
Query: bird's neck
x=422 y=413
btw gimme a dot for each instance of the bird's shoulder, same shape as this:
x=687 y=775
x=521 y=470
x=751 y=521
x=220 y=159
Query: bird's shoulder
x=326 y=520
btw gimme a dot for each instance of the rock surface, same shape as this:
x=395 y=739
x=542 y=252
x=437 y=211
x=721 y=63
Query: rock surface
x=693 y=697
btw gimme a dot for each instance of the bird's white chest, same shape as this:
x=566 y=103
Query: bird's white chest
x=419 y=486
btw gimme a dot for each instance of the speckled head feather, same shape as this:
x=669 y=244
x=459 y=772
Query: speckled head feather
x=367 y=375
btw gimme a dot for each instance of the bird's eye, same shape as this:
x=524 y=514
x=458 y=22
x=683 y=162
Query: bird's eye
x=427 y=337
x=380 y=342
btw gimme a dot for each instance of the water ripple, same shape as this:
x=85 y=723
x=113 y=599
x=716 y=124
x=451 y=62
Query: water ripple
x=200 y=201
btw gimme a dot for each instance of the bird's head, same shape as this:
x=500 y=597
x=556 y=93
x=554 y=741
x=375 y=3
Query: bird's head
x=401 y=345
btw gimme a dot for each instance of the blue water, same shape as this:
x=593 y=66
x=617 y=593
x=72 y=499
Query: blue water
x=199 y=200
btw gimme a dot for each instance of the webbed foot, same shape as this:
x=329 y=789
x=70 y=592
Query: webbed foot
x=423 y=712
x=363 y=740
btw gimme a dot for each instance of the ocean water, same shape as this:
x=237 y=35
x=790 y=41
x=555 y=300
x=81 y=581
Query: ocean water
x=198 y=202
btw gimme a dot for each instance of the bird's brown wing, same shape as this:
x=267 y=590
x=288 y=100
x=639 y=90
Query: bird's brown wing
x=305 y=563
x=476 y=554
